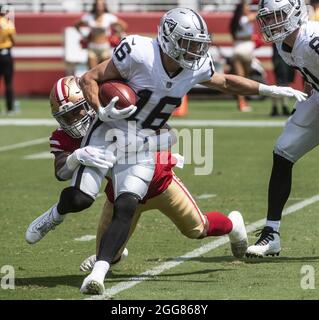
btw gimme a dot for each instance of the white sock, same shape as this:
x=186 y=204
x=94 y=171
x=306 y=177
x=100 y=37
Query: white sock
x=274 y=224
x=100 y=270
x=56 y=215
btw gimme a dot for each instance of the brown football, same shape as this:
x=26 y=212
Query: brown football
x=110 y=89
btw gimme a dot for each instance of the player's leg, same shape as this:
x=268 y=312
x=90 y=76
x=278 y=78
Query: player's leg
x=130 y=186
x=300 y=135
x=85 y=185
x=8 y=80
x=105 y=221
x=75 y=198
x=178 y=205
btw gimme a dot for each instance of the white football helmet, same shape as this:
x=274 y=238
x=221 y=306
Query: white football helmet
x=184 y=37
x=279 y=18
x=69 y=107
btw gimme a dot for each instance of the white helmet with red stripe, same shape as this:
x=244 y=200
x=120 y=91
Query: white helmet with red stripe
x=69 y=107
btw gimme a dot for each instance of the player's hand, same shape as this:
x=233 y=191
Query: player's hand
x=90 y=156
x=278 y=92
x=110 y=113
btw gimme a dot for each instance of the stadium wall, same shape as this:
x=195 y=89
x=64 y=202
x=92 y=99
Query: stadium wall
x=39 y=51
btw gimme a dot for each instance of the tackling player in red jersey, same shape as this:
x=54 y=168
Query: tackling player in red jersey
x=166 y=192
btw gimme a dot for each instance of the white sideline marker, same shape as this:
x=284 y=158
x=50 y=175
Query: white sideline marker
x=192 y=254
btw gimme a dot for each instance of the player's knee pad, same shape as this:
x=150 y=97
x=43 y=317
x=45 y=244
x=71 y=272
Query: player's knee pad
x=125 y=205
x=73 y=200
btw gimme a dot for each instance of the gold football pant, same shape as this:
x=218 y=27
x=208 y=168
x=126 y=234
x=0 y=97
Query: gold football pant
x=175 y=202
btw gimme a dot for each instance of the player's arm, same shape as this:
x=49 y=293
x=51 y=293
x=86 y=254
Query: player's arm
x=61 y=171
x=232 y=84
x=89 y=84
x=65 y=163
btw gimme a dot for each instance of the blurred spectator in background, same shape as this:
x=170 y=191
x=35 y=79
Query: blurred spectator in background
x=284 y=75
x=242 y=30
x=105 y=32
x=315 y=14
x=7 y=32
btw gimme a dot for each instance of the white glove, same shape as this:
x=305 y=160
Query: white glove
x=110 y=113
x=97 y=157
x=278 y=92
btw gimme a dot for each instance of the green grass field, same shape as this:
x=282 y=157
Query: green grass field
x=242 y=164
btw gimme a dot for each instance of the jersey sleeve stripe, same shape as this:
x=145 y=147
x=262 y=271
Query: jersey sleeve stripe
x=55 y=142
x=52 y=149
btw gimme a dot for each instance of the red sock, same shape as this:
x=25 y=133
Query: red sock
x=218 y=224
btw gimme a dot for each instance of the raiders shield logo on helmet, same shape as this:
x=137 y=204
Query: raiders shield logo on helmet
x=169 y=26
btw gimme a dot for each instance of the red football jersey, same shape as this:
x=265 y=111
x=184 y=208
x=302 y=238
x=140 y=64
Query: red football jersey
x=60 y=141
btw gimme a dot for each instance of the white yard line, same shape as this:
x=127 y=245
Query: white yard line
x=87 y=237
x=39 y=155
x=173 y=123
x=192 y=254
x=24 y=144
x=205 y=196
x=28 y=122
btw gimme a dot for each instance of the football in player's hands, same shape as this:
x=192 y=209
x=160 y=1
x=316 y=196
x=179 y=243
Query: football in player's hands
x=113 y=88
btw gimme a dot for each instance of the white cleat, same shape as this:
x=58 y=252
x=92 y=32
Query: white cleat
x=267 y=245
x=92 y=285
x=238 y=236
x=41 y=226
x=88 y=264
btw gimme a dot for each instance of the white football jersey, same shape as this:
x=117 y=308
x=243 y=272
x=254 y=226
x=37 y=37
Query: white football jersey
x=139 y=61
x=305 y=54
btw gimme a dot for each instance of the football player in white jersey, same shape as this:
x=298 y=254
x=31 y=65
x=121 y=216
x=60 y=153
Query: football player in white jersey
x=166 y=191
x=161 y=71
x=286 y=24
